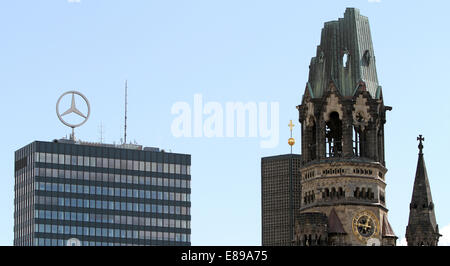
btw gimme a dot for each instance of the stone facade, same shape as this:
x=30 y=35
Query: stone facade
x=341 y=177
x=422 y=229
x=343 y=163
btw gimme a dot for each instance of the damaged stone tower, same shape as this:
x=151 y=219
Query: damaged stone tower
x=342 y=116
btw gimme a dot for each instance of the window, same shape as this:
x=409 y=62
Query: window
x=105 y=162
x=99 y=162
x=159 y=167
x=346 y=59
x=55 y=158
x=111 y=163
x=358 y=141
x=74 y=160
x=333 y=135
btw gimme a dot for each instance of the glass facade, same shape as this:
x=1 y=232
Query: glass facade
x=101 y=195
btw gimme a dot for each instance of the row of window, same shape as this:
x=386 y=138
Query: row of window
x=309 y=174
x=116 y=178
x=337 y=193
x=309 y=197
x=113 y=205
x=333 y=193
x=67 y=159
x=109 y=232
x=63 y=242
x=112 y=219
x=113 y=191
x=105 y=232
x=363 y=193
x=339 y=171
x=362 y=171
x=333 y=171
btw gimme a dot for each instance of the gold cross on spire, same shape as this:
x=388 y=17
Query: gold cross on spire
x=291 y=140
x=291 y=126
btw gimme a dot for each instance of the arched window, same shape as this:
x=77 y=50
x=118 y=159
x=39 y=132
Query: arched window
x=333 y=192
x=369 y=193
x=356 y=141
x=380 y=144
x=341 y=193
x=363 y=193
x=345 y=59
x=356 y=194
x=333 y=135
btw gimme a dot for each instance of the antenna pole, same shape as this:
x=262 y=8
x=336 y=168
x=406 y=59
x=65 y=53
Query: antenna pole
x=101 y=132
x=72 y=137
x=126 y=95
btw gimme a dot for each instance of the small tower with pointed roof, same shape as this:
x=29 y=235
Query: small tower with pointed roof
x=422 y=229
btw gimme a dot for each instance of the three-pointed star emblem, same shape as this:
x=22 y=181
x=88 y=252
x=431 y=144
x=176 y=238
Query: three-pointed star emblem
x=73 y=108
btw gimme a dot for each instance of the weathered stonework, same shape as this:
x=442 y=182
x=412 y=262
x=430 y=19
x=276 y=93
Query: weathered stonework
x=343 y=116
x=422 y=229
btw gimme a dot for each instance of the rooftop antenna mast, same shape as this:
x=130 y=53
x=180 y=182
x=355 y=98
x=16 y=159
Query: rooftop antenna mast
x=126 y=103
x=101 y=132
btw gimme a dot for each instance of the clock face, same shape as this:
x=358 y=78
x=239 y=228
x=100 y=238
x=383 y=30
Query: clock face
x=365 y=225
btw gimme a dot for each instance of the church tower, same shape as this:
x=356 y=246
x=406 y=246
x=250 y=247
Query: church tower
x=422 y=229
x=342 y=116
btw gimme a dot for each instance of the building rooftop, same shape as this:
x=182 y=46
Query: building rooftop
x=128 y=146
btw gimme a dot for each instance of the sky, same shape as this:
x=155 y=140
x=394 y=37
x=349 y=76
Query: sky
x=174 y=53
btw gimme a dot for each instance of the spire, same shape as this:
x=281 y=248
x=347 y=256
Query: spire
x=422 y=228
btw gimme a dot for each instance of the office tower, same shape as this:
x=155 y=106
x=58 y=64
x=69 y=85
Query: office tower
x=280 y=198
x=92 y=194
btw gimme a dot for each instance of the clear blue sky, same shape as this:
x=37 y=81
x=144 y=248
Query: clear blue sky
x=236 y=51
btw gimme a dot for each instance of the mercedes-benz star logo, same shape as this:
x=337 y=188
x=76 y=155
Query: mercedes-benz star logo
x=73 y=109
x=73 y=242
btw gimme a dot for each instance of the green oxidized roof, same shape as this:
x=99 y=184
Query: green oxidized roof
x=347 y=37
